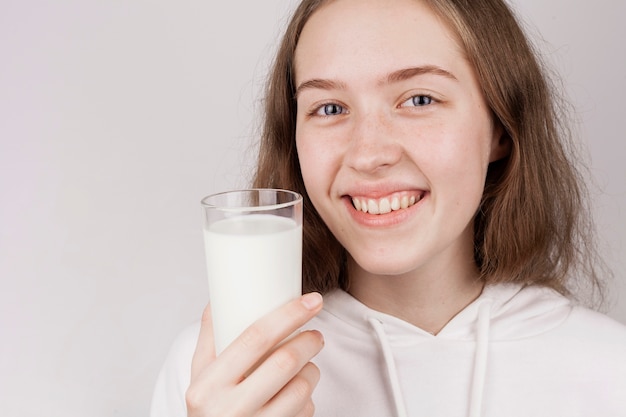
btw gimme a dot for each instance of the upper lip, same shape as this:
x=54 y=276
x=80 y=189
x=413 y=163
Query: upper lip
x=376 y=191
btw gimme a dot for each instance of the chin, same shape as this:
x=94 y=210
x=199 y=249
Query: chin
x=383 y=267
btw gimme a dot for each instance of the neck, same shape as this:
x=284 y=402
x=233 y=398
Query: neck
x=428 y=300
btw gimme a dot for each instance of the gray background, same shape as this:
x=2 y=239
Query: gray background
x=116 y=117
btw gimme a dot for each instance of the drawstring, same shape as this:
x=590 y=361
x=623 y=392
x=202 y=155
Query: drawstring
x=480 y=362
x=480 y=359
x=398 y=399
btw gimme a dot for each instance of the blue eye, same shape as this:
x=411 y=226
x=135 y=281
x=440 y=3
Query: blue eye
x=418 y=101
x=421 y=100
x=330 y=109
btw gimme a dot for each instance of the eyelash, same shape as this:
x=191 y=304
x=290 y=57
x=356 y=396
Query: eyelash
x=334 y=106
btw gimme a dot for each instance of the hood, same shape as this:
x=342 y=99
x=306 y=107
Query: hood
x=501 y=312
x=515 y=312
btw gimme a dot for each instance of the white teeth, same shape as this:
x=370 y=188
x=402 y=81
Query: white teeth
x=384 y=205
x=372 y=207
x=395 y=204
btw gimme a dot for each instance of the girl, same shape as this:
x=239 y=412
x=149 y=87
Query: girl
x=445 y=226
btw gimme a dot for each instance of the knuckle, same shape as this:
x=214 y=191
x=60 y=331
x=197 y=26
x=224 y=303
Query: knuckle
x=253 y=337
x=302 y=388
x=199 y=404
x=286 y=359
x=194 y=399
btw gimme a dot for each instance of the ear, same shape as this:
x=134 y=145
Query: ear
x=500 y=143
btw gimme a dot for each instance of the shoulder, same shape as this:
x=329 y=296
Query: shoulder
x=593 y=341
x=596 y=324
x=522 y=311
x=579 y=322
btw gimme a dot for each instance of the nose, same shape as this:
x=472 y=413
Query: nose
x=373 y=144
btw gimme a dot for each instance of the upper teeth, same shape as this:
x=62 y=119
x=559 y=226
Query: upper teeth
x=383 y=205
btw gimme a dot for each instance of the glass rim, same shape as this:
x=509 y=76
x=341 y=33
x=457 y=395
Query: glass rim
x=297 y=197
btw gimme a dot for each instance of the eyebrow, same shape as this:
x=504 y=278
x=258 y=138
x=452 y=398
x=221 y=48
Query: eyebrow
x=407 y=73
x=394 y=77
x=319 y=84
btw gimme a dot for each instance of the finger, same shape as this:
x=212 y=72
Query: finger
x=295 y=398
x=263 y=335
x=280 y=369
x=308 y=410
x=205 y=348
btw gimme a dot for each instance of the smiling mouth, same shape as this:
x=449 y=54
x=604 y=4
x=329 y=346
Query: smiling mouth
x=386 y=204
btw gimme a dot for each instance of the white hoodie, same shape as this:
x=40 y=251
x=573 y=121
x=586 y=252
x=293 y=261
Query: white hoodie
x=513 y=352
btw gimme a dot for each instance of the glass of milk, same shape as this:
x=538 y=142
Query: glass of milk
x=253 y=243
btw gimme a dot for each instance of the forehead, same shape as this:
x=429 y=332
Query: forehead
x=344 y=37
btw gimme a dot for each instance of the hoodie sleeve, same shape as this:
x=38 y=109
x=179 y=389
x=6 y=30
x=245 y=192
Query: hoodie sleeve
x=168 y=399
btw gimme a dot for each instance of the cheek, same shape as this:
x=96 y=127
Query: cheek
x=457 y=163
x=453 y=155
x=313 y=164
x=305 y=155
x=474 y=144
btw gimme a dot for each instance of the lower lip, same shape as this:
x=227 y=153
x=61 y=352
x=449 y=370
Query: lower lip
x=382 y=220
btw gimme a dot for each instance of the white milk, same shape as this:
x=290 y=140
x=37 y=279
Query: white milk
x=254 y=265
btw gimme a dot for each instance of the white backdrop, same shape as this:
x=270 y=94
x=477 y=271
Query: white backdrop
x=117 y=117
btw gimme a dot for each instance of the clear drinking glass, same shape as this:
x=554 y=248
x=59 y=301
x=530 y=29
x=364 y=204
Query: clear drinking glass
x=253 y=243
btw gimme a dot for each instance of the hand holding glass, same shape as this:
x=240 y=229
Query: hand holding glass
x=253 y=242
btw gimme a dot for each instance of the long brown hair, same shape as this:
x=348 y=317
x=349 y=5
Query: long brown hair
x=533 y=225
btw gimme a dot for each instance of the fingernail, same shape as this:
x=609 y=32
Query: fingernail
x=311 y=301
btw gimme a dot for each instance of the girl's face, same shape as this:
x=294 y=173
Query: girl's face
x=393 y=134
